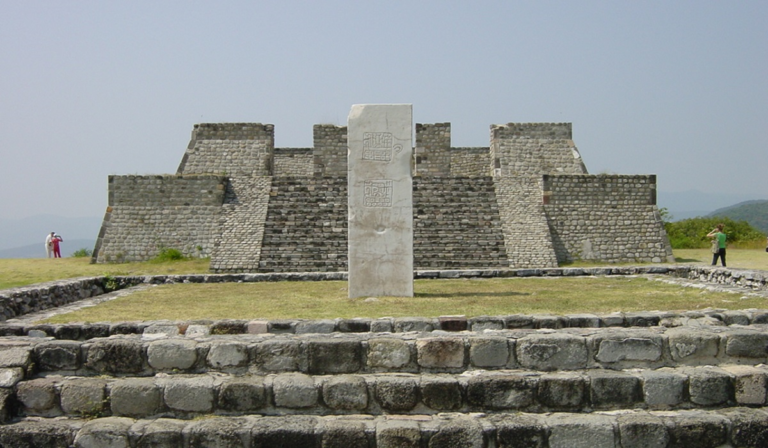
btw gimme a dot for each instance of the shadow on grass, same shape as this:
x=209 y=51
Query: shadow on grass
x=687 y=260
x=427 y=295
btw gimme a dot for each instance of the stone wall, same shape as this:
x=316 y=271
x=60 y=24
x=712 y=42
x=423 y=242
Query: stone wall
x=471 y=162
x=147 y=213
x=610 y=218
x=433 y=149
x=330 y=150
x=534 y=149
x=234 y=149
x=294 y=162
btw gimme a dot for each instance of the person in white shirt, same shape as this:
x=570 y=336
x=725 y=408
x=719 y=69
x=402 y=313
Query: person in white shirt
x=49 y=244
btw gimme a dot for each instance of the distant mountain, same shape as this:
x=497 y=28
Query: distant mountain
x=691 y=204
x=31 y=231
x=68 y=247
x=754 y=212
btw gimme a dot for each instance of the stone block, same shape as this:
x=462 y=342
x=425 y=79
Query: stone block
x=67 y=332
x=257 y=327
x=169 y=354
x=104 y=432
x=548 y=321
x=749 y=384
x=160 y=330
x=709 y=386
x=642 y=431
x=517 y=321
x=612 y=320
x=460 y=432
x=562 y=391
x=57 y=355
x=583 y=320
x=617 y=348
x=136 y=397
x=383 y=325
x=227 y=354
x=48 y=434
x=334 y=356
x=407 y=324
x=440 y=353
x=441 y=393
x=388 y=353
x=316 y=326
x=242 y=394
x=86 y=397
x=192 y=394
x=39 y=397
x=380 y=203
x=663 y=388
x=356 y=325
x=278 y=356
x=294 y=390
x=453 y=323
x=7 y=401
x=735 y=318
x=282 y=326
x=747 y=344
x=116 y=356
x=345 y=392
x=224 y=432
x=552 y=352
x=157 y=433
x=93 y=331
x=693 y=347
x=642 y=319
x=481 y=323
x=10 y=376
x=501 y=391
x=396 y=393
x=228 y=327
x=612 y=390
x=520 y=431
x=489 y=351
x=194 y=331
x=290 y=431
x=749 y=427
x=398 y=434
x=344 y=433
x=14 y=357
x=581 y=431
x=697 y=429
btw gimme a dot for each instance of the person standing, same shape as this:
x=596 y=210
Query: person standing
x=718 y=235
x=49 y=243
x=55 y=241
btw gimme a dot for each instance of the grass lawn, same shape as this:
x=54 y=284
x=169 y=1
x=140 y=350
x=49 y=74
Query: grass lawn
x=469 y=297
x=325 y=300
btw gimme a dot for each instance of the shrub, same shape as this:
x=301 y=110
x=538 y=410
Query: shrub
x=168 y=254
x=692 y=233
x=83 y=252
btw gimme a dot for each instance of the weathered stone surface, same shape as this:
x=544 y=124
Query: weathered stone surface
x=104 y=432
x=380 y=228
x=489 y=351
x=749 y=427
x=334 y=356
x=316 y=326
x=709 y=386
x=398 y=434
x=242 y=394
x=618 y=348
x=552 y=352
x=441 y=393
x=642 y=431
x=278 y=356
x=610 y=390
x=217 y=432
x=501 y=391
x=388 y=353
x=191 y=394
x=747 y=344
x=168 y=354
x=458 y=433
x=750 y=384
x=84 y=397
x=397 y=393
x=10 y=376
x=344 y=434
x=14 y=357
x=30 y=434
x=440 y=352
x=38 y=396
x=695 y=428
x=116 y=356
x=136 y=397
x=298 y=431
x=664 y=388
x=581 y=431
x=562 y=391
x=406 y=324
x=157 y=433
x=227 y=354
x=346 y=392
x=693 y=347
x=58 y=355
x=294 y=390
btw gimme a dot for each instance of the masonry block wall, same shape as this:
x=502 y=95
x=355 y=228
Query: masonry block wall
x=147 y=213
x=525 y=200
x=605 y=217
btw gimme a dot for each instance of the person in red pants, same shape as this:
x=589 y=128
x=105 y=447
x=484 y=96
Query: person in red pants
x=55 y=242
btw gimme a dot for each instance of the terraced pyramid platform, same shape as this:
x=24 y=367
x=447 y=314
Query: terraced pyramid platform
x=652 y=379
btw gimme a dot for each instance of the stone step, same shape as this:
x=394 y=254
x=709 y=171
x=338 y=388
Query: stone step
x=412 y=352
x=190 y=396
x=732 y=427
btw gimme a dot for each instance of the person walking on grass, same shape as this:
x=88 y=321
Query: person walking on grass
x=718 y=235
x=49 y=244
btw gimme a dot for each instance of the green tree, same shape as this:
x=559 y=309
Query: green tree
x=692 y=233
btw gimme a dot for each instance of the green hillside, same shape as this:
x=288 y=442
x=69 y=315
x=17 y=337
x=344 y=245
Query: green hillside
x=754 y=212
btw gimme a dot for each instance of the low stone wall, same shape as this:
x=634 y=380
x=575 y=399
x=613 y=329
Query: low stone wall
x=29 y=299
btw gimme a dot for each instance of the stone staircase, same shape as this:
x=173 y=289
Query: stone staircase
x=622 y=380
x=457 y=224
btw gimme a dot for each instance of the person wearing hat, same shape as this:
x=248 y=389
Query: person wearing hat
x=55 y=243
x=48 y=243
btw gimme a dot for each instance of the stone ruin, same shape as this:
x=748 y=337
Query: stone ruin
x=524 y=201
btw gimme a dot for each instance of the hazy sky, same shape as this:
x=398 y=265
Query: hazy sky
x=93 y=88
